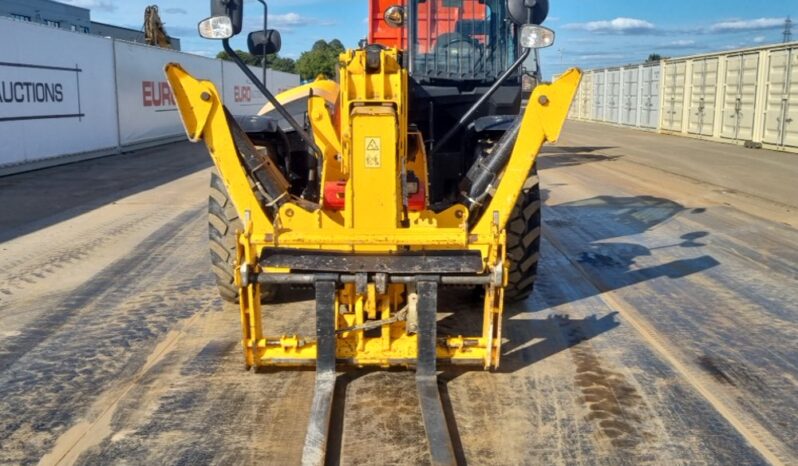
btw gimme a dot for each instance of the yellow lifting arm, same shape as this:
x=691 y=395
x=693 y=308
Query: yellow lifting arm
x=542 y=122
x=202 y=112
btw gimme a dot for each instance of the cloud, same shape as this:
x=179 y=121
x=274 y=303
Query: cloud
x=295 y=20
x=747 y=25
x=615 y=26
x=601 y=56
x=101 y=5
x=732 y=46
x=684 y=44
x=175 y=11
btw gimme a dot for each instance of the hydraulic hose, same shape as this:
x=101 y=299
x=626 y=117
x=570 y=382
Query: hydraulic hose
x=479 y=180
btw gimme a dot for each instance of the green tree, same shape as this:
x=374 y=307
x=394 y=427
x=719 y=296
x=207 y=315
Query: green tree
x=322 y=59
x=654 y=57
x=273 y=61
x=247 y=57
x=282 y=64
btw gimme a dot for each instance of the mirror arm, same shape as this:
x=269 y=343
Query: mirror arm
x=273 y=100
x=467 y=116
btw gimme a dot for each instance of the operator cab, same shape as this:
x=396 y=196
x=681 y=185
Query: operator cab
x=454 y=40
x=456 y=53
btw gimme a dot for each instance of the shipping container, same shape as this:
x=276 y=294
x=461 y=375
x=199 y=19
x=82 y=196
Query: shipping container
x=673 y=90
x=747 y=96
x=586 y=89
x=649 y=96
x=781 y=101
x=739 y=96
x=613 y=99
x=599 y=90
x=630 y=109
x=703 y=92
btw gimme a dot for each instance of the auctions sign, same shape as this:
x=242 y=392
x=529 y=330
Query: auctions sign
x=39 y=92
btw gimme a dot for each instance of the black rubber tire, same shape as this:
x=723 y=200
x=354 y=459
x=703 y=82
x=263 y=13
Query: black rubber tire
x=523 y=240
x=223 y=222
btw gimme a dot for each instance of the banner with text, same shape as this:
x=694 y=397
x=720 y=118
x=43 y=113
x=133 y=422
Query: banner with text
x=242 y=97
x=66 y=93
x=148 y=108
x=56 y=93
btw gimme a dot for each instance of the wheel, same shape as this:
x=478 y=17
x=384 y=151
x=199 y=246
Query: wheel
x=223 y=222
x=523 y=240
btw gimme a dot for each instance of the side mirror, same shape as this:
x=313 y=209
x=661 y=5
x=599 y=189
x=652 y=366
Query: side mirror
x=264 y=42
x=226 y=20
x=528 y=11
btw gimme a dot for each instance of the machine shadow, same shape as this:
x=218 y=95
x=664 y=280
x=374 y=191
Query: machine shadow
x=37 y=199
x=551 y=335
x=588 y=232
x=568 y=156
x=582 y=252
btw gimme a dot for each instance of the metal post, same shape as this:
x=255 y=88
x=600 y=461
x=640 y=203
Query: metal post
x=265 y=27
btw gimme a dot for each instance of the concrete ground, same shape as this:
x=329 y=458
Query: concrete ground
x=662 y=329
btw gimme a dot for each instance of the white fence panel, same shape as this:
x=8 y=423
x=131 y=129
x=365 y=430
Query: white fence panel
x=279 y=81
x=56 y=93
x=242 y=97
x=147 y=107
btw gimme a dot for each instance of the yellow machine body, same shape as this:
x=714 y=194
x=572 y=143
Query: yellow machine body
x=361 y=126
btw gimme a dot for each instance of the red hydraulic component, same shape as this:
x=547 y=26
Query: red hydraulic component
x=335 y=195
x=417 y=201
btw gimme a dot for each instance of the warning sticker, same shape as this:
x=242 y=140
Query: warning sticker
x=373 y=152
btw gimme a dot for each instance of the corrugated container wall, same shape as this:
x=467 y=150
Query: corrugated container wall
x=747 y=96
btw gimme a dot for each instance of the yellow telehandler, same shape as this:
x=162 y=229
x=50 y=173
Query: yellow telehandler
x=413 y=170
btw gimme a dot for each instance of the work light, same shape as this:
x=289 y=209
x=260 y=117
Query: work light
x=536 y=37
x=216 y=27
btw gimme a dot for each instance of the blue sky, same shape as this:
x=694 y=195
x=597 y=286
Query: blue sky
x=590 y=33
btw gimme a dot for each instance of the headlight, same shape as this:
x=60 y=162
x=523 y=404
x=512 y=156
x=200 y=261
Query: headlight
x=536 y=37
x=395 y=16
x=216 y=27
